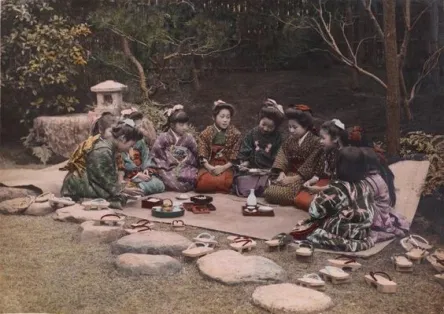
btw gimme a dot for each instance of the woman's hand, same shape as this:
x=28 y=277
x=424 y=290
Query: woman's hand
x=218 y=170
x=133 y=191
x=280 y=178
x=244 y=166
x=290 y=180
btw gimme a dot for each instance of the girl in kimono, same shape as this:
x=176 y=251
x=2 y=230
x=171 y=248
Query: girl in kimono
x=259 y=149
x=334 y=137
x=137 y=165
x=218 y=147
x=297 y=159
x=345 y=208
x=175 y=152
x=99 y=178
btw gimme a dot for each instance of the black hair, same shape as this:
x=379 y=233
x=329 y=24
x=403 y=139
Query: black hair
x=106 y=120
x=178 y=116
x=304 y=118
x=358 y=137
x=135 y=115
x=126 y=131
x=351 y=164
x=221 y=106
x=335 y=132
x=273 y=114
x=375 y=163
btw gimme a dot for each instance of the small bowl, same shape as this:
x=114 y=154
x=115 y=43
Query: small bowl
x=201 y=199
x=157 y=208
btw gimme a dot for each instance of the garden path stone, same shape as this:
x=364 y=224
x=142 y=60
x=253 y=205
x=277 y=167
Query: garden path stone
x=143 y=264
x=39 y=209
x=152 y=242
x=290 y=298
x=92 y=231
x=77 y=214
x=230 y=267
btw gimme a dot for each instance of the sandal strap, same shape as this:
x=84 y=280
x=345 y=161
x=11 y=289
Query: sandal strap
x=312 y=276
x=348 y=259
x=109 y=215
x=245 y=241
x=143 y=228
x=372 y=274
x=205 y=235
x=178 y=223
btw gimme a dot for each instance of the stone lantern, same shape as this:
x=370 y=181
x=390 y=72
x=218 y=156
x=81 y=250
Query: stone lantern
x=109 y=97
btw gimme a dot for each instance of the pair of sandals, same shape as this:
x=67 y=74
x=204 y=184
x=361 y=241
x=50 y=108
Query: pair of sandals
x=335 y=274
x=142 y=225
x=303 y=248
x=417 y=248
x=203 y=244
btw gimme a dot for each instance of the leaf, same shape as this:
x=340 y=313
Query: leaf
x=43 y=153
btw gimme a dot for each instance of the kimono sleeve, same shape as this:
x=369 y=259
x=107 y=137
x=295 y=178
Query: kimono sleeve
x=204 y=143
x=158 y=152
x=281 y=161
x=313 y=165
x=145 y=156
x=102 y=171
x=246 y=147
x=192 y=147
x=326 y=203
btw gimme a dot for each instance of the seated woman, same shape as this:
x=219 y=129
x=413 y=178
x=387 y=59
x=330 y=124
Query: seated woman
x=334 y=137
x=99 y=178
x=297 y=159
x=137 y=166
x=218 y=146
x=175 y=152
x=259 y=149
x=345 y=209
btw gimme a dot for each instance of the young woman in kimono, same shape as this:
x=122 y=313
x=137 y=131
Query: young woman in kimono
x=175 y=152
x=218 y=146
x=334 y=137
x=99 y=177
x=137 y=166
x=297 y=159
x=345 y=208
x=259 y=149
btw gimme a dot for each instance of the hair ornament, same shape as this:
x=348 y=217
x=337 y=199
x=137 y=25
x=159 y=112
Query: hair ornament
x=272 y=103
x=339 y=124
x=170 y=111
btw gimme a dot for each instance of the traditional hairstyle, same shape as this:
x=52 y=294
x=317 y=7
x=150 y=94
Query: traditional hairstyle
x=127 y=130
x=336 y=129
x=375 y=163
x=357 y=137
x=135 y=115
x=106 y=120
x=219 y=105
x=176 y=114
x=302 y=114
x=273 y=111
x=351 y=164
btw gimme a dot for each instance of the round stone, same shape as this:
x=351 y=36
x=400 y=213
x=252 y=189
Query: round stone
x=143 y=264
x=92 y=231
x=290 y=298
x=230 y=267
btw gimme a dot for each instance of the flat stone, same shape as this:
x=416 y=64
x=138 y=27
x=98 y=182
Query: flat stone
x=77 y=214
x=15 y=206
x=94 y=232
x=230 y=267
x=290 y=298
x=152 y=242
x=143 y=264
x=39 y=209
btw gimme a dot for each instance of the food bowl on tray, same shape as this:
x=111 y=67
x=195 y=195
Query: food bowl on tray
x=176 y=211
x=150 y=202
x=201 y=199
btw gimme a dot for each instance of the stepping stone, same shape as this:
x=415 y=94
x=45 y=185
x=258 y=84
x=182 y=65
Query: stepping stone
x=230 y=267
x=290 y=298
x=77 y=214
x=16 y=206
x=39 y=209
x=143 y=264
x=94 y=232
x=152 y=242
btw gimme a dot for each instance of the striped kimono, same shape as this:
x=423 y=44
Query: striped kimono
x=346 y=213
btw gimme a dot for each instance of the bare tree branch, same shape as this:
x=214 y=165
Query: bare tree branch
x=368 y=7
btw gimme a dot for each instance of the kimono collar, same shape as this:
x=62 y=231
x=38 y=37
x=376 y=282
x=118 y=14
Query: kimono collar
x=175 y=135
x=301 y=140
x=219 y=130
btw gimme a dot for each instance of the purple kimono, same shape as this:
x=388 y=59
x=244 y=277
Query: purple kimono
x=386 y=223
x=175 y=158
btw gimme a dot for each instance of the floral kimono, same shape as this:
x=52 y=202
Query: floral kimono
x=176 y=160
x=218 y=147
x=295 y=157
x=259 y=150
x=99 y=178
x=326 y=172
x=386 y=223
x=346 y=213
x=135 y=161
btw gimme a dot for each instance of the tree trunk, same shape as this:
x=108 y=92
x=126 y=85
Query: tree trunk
x=354 y=74
x=391 y=64
x=433 y=43
x=441 y=38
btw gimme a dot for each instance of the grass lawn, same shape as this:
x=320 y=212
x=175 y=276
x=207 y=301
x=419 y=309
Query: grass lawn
x=43 y=268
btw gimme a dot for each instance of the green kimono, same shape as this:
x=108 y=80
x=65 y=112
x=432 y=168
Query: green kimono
x=99 y=179
x=260 y=149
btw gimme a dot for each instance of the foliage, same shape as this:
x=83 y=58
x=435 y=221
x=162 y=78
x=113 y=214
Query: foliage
x=433 y=147
x=42 y=152
x=42 y=56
